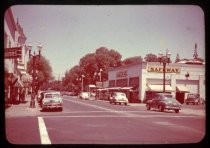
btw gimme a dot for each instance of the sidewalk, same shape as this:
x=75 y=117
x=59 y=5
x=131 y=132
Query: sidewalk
x=22 y=109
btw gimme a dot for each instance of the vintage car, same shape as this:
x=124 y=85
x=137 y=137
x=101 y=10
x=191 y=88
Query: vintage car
x=163 y=101
x=52 y=100
x=193 y=98
x=84 y=95
x=118 y=97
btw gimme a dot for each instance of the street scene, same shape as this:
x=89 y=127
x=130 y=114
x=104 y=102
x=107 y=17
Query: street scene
x=104 y=74
x=99 y=122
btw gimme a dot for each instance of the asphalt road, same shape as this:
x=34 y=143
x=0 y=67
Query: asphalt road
x=98 y=122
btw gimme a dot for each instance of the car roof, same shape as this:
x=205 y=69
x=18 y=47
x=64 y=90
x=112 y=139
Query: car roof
x=164 y=94
x=52 y=92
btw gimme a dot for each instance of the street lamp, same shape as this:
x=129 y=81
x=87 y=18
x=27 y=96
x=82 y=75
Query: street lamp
x=99 y=74
x=82 y=82
x=34 y=71
x=81 y=79
x=164 y=59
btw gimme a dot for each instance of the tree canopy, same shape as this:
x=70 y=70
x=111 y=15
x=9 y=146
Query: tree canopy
x=43 y=69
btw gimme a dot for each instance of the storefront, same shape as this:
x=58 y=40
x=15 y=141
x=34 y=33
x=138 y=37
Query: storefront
x=147 y=78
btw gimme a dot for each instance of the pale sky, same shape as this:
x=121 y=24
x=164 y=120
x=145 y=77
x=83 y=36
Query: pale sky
x=69 y=32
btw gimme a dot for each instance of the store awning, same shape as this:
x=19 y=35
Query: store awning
x=159 y=88
x=18 y=84
x=126 y=88
x=113 y=88
x=91 y=86
x=182 y=88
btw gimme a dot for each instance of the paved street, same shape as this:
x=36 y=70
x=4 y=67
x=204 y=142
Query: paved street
x=98 y=122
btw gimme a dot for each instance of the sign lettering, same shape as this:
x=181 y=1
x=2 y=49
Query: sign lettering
x=12 y=53
x=122 y=74
x=159 y=69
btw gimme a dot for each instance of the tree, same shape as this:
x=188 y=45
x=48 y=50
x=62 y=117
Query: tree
x=44 y=70
x=177 y=58
x=135 y=59
x=151 y=58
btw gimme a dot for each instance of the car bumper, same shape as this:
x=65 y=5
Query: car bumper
x=172 y=107
x=53 y=105
x=121 y=101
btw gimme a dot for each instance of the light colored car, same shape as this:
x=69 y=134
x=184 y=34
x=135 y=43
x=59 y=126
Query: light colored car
x=118 y=97
x=84 y=95
x=52 y=100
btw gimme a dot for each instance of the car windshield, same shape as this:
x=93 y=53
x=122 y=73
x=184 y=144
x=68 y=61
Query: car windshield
x=120 y=94
x=51 y=95
x=168 y=96
x=192 y=95
x=170 y=99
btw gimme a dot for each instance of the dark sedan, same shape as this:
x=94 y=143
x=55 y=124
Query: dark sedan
x=163 y=101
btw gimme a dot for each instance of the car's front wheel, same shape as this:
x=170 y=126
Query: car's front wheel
x=160 y=107
x=176 y=110
x=148 y=107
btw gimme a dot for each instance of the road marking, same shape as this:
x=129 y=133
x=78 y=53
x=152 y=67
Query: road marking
x=102 y=108
x=117 y=116
x=43 y=132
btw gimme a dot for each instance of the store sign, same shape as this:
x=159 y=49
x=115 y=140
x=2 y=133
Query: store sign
x=12 y=53
x=122 y=74
x=159 y=69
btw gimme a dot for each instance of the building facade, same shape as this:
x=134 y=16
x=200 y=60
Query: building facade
x=14 y=68
x=147 y=78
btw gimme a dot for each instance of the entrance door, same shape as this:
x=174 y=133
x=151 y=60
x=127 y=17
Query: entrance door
x=180 y=97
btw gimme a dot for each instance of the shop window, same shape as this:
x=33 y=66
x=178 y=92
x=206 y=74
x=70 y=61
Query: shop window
x=122 y=82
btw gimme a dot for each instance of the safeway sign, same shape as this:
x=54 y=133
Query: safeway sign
x=12 y=53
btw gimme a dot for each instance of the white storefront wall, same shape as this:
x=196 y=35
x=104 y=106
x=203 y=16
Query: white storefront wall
x=195 y=82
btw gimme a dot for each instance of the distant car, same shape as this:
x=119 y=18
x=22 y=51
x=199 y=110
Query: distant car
x=193 y=98
x=52 y=100
x=118 y=97
x=84 y=95
x=163 y=101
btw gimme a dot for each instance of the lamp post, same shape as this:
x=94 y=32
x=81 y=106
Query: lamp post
x=34 y=57
x=164 y=59
x=96 y=74
x=81 y=79
x=82 y=82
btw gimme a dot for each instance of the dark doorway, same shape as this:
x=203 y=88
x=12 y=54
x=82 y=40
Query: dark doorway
x=180 y=97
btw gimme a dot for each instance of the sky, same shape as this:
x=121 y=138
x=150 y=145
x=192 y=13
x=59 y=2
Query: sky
x=69 y=32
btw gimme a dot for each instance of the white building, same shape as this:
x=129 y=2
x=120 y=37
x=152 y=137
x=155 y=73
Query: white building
x=147 y=77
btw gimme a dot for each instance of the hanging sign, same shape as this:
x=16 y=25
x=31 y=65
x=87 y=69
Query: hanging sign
x=12 y=53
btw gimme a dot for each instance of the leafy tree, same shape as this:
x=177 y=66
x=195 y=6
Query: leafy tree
x=43 y=71
x=90 y=65
x=177 y=58
x=151 y=58
x=130 y=60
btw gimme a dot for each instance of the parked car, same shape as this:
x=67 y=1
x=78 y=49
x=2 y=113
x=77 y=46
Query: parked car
x=118 y=97
x=52 y=100
x=163 y=101
x=193 y=98
x=84 y=95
